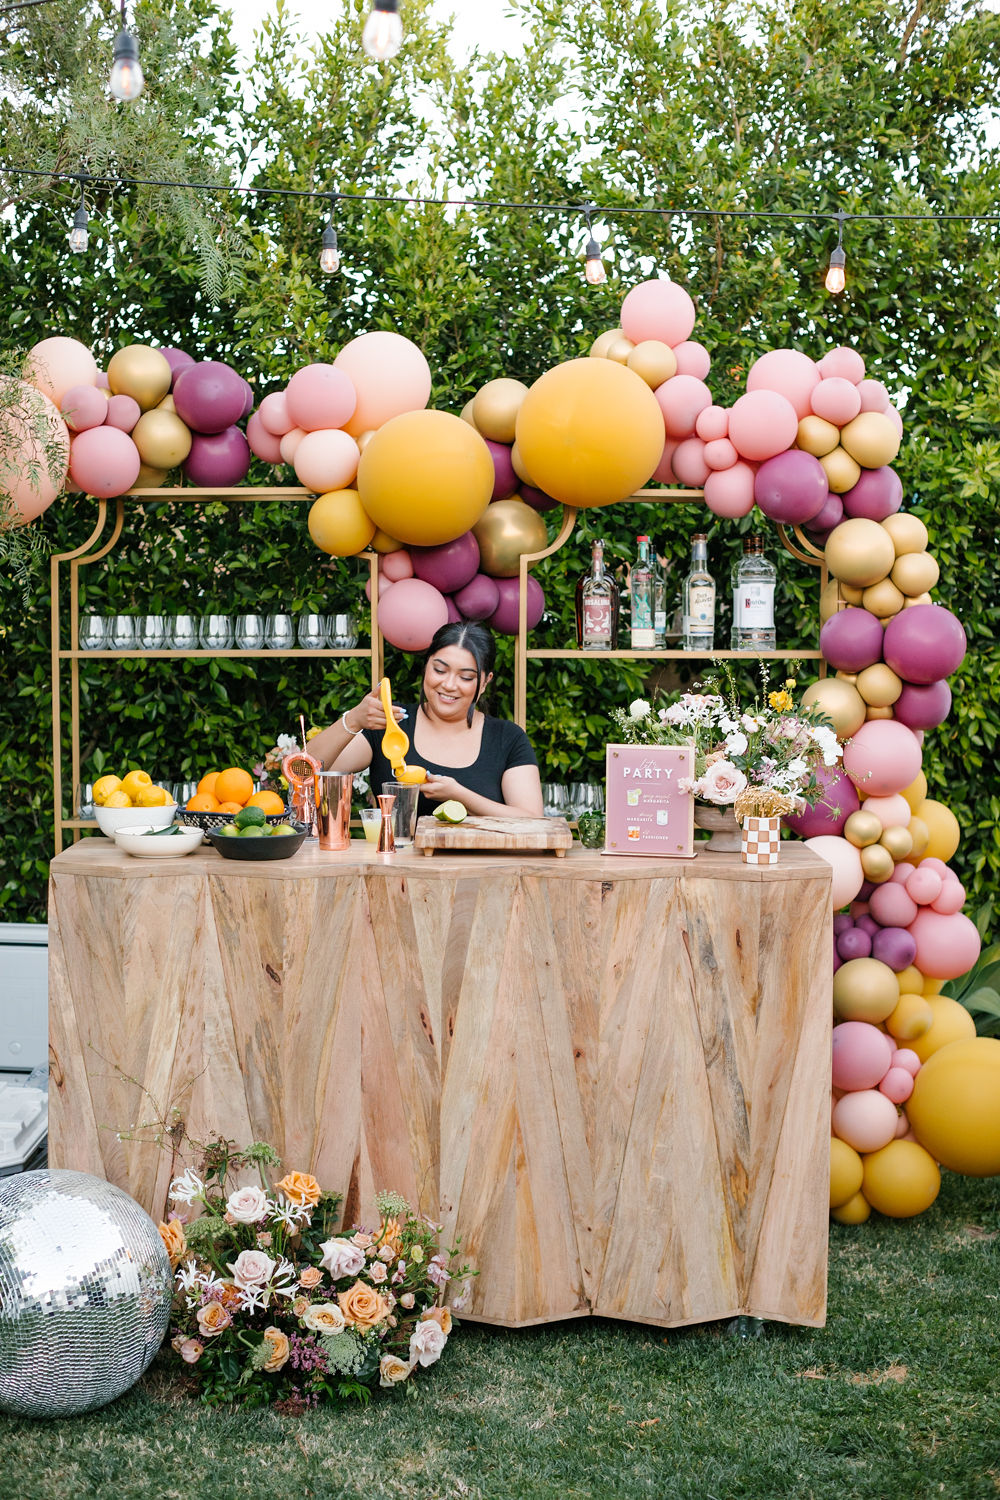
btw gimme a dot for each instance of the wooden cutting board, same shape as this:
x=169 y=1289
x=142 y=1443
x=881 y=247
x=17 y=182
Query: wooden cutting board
x=524 y=834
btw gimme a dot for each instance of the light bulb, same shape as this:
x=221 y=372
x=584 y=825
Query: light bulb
x=593 y=267
x=78 y=237
x=835 y=278
x=383 y=33
x=329 y=257
x=126 y=75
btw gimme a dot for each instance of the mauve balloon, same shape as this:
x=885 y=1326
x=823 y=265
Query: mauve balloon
x=450 y=566
x=537 y=499
x=877 y=494
x=842 y=923
x=830 y=516
x=248 y=397
x=219 y=459
x=839 y=799
x=854 y=944
x=209 y=396
x=505 y=617
x=505 y=481
x=479 y=598
x=851 y=640
x=454 y=613
x=867 y=923
x=923 y=706
x=791 y=488
x=895 y=947
x=177 y=360
x=924 y=644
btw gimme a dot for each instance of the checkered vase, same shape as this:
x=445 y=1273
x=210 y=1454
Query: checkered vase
x=761 y=841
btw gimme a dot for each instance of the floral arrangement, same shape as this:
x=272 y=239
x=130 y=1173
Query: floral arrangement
x=273 y=1307
x=761 y=757
x=269 y=773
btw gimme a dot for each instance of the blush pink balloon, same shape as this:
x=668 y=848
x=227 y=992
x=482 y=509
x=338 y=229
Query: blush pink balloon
x=389 y=374
x=53 y=366
x=682 y=399
x=692 y=359
x=383 y=584
x=104 y=462
x=658 y=309
x=835 y=400
x=789 y=372
x=848 y=876
x=83 y=407
x=263 y=444
x=843 y=364
x=505 y=481
x=289 y=444
x=901 y=873
x=897 y=1085
x=905 y=1057
x=873 y=394
x=720 y=454
x=894 y=418
x=664 y=471
x=319 y=397
x=762 y=424
x=729 y=492
x=933 y=863
x=862 y=1055
x=35 y=446
x=892 y=812
x=951 y=899
x=102 y=382
x=924 y=886
x=712 y=423
x=891 y=905
x=947 y=944
x=274 y=414
x=689 y=463
x=123 y=412
x=882 y=757
x=396 y=565
x=866 y=1120
x=410 y=613
x=326 y=459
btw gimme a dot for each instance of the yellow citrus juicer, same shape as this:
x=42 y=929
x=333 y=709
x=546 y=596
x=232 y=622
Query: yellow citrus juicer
x=395 y=743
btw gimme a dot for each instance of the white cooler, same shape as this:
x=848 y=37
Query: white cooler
x=24 y=996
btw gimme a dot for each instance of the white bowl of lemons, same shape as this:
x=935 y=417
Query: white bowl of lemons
x=131 y=801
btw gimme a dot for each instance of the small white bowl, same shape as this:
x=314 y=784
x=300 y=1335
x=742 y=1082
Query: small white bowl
x=111 y=819
x=158 y=845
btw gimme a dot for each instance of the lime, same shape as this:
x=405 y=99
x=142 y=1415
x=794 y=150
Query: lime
x=230 y=832
x=250 y=817
x=451 y=812
x=281 y=828
x=252 y=832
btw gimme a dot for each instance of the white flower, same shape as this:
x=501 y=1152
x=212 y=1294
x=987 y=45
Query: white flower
x=324 y=1317
x=248 y=1205
x=185 y=1189
x=342 y=1258
x=287 y=742
x=427 y=1342
x=638 y=709
x=290 y=1215
x=797 y=768
x=463 y=1299
x=750 y=724
x=252 y=1269
x=736 y=742
x=728 y=725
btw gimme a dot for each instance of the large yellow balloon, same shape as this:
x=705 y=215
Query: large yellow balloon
x=954 y=1109
x=846 y=1172
x=860 y=552
x=426 y=477
x=338 y=523
x=140 y=372
x=495 y=408
x=840 y=701
x=504 y=531
x=950 y=1022
x=942 y=826
x=900 y=1180
x=871 y=439
x=162 y=439
x=590 y=432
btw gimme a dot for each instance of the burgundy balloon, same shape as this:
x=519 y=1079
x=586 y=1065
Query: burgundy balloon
x=895 y=947
x=454 y=613
x=869 y=885
x=505 y=480
x=450 y=566
x=877 y=494
x=854 y=944
x=851 y=640
x=177 y=360
x=791 y=488
x=209 y=396
x=830 y=516
x=218 y=459
x=839 y=799
x=479 y=598
x=924 y=644
x=537 y=499
x=842 y=923
x=504 y=617
x=923 y=706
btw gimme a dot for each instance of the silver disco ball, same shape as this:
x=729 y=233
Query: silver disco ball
x=85 y=1289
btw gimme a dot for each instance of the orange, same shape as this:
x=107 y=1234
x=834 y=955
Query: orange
x=269 y=802
x=230 y=807
x=207 y=782
x=202 y=802
x=234 y=785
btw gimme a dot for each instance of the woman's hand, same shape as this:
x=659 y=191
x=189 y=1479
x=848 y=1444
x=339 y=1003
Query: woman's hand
x=445 y=789
x=369 y=714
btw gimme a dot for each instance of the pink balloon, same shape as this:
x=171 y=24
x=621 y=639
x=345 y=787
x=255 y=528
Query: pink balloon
x=102 y=382
x=396 y=565
x=951 y=899
x=389 y=374
x=843 y=364
x=905 y=1057
x=866 y=1120
x=326 y=459
x=848 y=876
x=882 y=757
x=83 y=407
x=53 y=366
x=902 y=873
x=892 y=812
x=288 y=445
x=689 y=462
x=664 y=471
x=891 y=904
x=789 y=372
x=712 y=423
x=873 y=394
x=894 y=418
x=383 y=584
x=932 y=863
x=862 y=1055
x=263 y=443
x=104 y=462
x=506 y=481
x=903 y=1131
x=923 y=887
x=122 y=412
x=835 y=400
x=660 y=310
x=682 y=398
x=692 y=359
x=410 y=613
x=720 y=454
x=897 y=1085
x=320 y=396
x=274 y=414
x=30 y=424
x=762 y=424
x=947 y=945
x=729 y=492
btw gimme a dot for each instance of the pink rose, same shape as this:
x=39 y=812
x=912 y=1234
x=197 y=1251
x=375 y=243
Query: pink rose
x=342 y=1258
x=722 y=783
x=407 y=1300
x=248 y=1205
x=427 y=1342
x=377 y=1272
x=191 y=1351
x=252 y=1269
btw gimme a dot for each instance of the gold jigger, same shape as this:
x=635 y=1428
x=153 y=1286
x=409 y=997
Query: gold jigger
x=333 y=808
x=386 y=840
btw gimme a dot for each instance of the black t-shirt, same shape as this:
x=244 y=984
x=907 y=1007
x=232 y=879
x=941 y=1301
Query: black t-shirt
x=503 y=745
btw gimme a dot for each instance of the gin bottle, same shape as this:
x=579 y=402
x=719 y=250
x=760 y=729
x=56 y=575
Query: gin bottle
x=659 y=602
x=753 y=599
x=597 y=606
x=699 y=600
x=641 y=597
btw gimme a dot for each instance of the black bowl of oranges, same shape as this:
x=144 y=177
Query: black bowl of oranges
x=252 y=836
x=221 y=795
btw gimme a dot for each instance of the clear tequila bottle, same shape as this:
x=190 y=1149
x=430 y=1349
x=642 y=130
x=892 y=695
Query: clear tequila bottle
x=699 y=600
x=641 y=598
x=753 y=582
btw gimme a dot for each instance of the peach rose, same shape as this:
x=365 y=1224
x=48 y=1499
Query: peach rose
x=392 y=1370
x=311 y=1276
x=363 y=1305
x=300 y=1306
x=299 y=1188
x=280 y=1349
x=213 y=1319
x=324 y=1317
x=172 y=1235
x=439 y=1315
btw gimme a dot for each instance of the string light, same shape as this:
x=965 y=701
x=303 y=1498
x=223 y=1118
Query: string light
x=78 y=236
x=126 y=75
x=593 y=266
x=329 y=257
x=835 y=277
x=383 y=33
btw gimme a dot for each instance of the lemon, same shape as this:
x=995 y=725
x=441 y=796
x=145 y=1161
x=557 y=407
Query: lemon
x=134 y=782
x=152 y=796
x=118 y=798
x=104 y=788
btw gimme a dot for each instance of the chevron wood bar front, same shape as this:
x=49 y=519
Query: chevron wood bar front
x=608 y=1076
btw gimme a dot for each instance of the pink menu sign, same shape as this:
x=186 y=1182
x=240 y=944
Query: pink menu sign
x=645 y=811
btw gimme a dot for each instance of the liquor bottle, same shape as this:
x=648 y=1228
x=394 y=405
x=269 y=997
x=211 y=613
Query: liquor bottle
x=699 y=600
x=659 y=603
x=753 y=599
x=641 y=595
x=597 y=606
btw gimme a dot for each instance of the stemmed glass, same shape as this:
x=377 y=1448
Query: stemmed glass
x=312 y=632
x=279 y=632
x=554 y=799
x=83 y=802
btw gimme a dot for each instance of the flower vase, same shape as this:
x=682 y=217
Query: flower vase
x=726 y=836
x=761 y=843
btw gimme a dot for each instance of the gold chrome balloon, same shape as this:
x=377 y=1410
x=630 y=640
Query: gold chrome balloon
x=878 y=713
x=140 y=372
x=846 y=677
x=364 y=438
x=520 y=469
x=505 y=530
x=149 y=478
x=908 y=532
x=495 y=407
x=162 y=439
x=876 y=861
x=840 y=701
x=879 y=686
x=599 y=348
x=899 y=842
x=871 y=439
x=862 y=829
x=865 y=989
x=883 y=599
x=921 y=836
x=859 y=552
x=830 y=600
x=817 y=436
x=915 y=573
x=653 y=362
x=842 y=473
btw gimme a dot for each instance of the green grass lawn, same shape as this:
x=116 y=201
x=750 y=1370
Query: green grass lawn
x=896 y=1399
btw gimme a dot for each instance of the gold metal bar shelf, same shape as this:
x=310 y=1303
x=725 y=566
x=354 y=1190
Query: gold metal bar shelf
x=542 y=655
x=201 y=655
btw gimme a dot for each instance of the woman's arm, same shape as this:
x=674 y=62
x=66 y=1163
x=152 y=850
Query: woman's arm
x=342 y=747
x=521 y=787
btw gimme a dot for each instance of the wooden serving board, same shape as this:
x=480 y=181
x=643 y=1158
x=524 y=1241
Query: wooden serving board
x=531 y=834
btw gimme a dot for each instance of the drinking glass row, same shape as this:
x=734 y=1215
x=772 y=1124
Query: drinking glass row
x=570 y=801
x=217 y=632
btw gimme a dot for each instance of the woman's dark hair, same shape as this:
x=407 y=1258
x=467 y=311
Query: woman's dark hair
x=471 y=637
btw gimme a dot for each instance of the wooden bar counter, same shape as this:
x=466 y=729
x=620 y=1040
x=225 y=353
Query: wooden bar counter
x=609 y=1076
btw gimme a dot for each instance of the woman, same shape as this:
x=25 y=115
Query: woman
x=487 y=764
